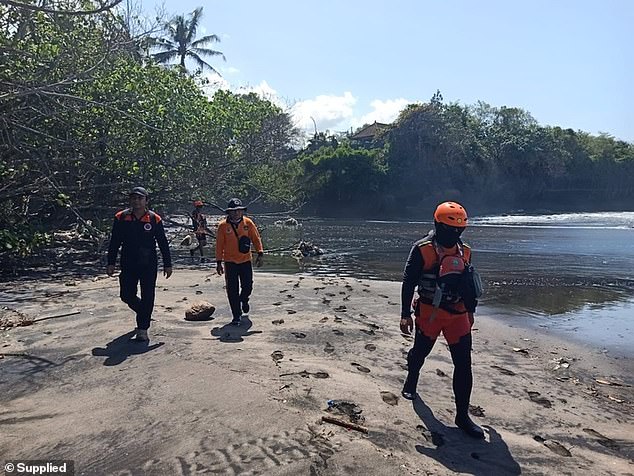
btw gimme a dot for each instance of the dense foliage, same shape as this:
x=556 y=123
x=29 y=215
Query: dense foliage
x=494 y=159
x=84 y=115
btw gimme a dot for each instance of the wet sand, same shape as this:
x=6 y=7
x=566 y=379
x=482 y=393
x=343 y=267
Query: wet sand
x=205 y=397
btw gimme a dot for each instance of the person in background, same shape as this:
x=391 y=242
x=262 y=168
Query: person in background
x=234 y=238
x=199 y=225
x=439 y=265
x=137 y=230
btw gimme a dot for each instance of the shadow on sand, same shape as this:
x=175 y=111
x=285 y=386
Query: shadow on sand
x=230 y=333
x=119 y=349
x=458 y=452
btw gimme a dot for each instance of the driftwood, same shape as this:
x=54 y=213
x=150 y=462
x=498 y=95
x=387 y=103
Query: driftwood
x=345 y=424
x=57 y=315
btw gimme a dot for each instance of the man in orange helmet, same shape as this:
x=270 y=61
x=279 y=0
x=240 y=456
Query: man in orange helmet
x=440 y=266
x=199 y=225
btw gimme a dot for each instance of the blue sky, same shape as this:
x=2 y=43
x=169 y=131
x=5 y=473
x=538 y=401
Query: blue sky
x=568 y=62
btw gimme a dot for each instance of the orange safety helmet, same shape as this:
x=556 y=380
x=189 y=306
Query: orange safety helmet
x=198 y=203
x=452 y=214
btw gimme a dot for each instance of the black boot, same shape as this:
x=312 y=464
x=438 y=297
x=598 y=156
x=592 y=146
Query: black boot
x=466 y=424
x=409 y=389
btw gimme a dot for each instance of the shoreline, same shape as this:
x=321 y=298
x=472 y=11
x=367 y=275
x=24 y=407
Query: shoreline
x=209 y=396
x=543 y=324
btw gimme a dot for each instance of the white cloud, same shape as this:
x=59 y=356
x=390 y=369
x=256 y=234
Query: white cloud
x=229 y=70
x=328 y=111
x=382 y=111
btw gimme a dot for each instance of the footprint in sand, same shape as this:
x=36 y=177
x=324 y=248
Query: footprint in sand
x=440 y=373
x=370 y=347
x=326 y=301
x=535 y=397
x=476 y=410
x=383 y=296
x=279 y=303
x=277 y=355
x=290 y=296
x=299 y=335
x=291 y=311
x=434 y=437
x=296 y=285
x=329 y=349
x=338 y=319
x=347 y=298
x=337 y=332
x=553 y=446
x=283 y=291
x=277 y=322
x=323 y=319
x=330 y=294
x=365 y=290
x=369 y=332
x=199 y=292
x=363 y=315
x=502 y=370
x=602 y=439
x=360 y=368
x=389 y=398
x=341 y=308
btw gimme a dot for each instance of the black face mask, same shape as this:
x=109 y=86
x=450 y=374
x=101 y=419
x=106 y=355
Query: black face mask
x=447 y=236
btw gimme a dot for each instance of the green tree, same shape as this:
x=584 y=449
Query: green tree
x=180 y=43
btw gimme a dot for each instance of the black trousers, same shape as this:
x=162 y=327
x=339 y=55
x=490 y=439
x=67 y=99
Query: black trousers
x=239 y=280
x=462 y=375
x=129 y=279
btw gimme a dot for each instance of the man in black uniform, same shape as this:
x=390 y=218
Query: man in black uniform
x=137 y=230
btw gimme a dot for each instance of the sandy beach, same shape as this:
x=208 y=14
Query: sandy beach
x=209 y=398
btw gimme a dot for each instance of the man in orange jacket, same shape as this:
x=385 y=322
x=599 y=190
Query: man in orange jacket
x=234 y=238
x=440 y=265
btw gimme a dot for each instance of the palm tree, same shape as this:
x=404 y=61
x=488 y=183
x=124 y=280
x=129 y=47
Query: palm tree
x=179 y=42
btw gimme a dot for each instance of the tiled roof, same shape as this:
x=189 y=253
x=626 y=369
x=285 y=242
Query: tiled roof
x=369 y=132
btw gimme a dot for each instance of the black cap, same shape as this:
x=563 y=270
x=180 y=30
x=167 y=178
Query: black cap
x=235 y=204
x=138 y=191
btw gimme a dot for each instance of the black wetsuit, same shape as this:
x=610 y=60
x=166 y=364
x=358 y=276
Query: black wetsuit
x=137 y=238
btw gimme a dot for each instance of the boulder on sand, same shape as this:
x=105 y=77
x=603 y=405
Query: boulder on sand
x=200 y=311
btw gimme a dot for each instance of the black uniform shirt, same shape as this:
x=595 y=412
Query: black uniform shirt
x=137 y=238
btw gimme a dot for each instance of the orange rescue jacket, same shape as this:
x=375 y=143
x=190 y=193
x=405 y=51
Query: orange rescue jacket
x=227 y=241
